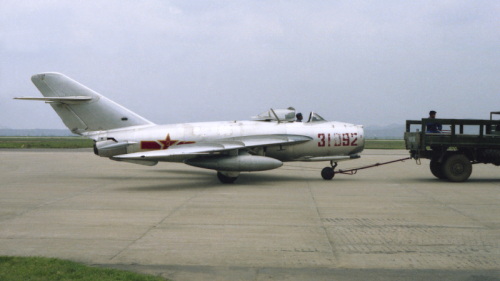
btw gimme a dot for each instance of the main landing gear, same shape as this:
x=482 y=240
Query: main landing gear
x=329 y=172
x=227 y=177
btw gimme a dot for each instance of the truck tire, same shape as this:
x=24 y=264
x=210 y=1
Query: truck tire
x=457 y=168
x=437 y=169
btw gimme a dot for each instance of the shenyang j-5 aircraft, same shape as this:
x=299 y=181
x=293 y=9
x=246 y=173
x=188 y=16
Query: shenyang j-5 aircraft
x=229 y=148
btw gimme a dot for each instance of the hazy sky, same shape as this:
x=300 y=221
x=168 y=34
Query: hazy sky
x=363 y=62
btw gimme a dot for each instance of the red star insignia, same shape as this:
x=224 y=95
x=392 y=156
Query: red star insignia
x=167 y=142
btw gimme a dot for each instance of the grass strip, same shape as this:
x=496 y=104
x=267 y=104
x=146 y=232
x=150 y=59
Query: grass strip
x=80 y=142
x=45 y=142
x=385 y=144
x=45 y=269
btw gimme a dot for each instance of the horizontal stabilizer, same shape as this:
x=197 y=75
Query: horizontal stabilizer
x=67 y=99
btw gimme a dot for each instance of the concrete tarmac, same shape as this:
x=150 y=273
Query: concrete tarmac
x=393 y=222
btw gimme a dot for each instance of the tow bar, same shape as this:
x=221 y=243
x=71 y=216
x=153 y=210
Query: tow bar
x=355 y=170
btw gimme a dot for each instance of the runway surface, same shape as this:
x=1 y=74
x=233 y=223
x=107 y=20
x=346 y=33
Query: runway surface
x=394 y=222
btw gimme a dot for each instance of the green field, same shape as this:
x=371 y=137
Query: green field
x=385 y=144
x=45 y=142
x=48 y=269
x=80 y=142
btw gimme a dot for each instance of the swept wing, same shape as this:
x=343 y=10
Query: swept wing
x=206 y=147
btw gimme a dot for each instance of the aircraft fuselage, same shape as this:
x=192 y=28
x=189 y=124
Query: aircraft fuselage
x=228 y=147
x=329 y=138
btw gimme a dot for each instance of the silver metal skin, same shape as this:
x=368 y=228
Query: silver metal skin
x=240 y=163
x=229 y=147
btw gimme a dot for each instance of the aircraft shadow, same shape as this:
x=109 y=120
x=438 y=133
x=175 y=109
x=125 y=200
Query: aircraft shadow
x=177 y=179
x=182 y=172
x=244 y=178
x=467 y=182
x=204 y=179
x=212 y=182
x=173 y=187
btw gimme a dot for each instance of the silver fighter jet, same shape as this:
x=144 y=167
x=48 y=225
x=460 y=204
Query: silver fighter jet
x=229 y=148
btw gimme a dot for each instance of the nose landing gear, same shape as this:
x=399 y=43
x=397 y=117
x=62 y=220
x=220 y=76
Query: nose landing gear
x=329 y=172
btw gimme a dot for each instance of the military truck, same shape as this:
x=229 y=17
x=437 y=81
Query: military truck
x=453 y=152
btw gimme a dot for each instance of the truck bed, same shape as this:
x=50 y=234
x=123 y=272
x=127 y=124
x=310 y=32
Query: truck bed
x=488 y=135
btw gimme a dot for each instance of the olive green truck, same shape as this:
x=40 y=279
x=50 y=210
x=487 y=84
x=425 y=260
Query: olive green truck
x=453 y=152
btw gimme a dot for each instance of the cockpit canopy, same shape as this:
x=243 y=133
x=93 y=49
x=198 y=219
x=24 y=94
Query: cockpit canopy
x=314 y=117
x=285 y=115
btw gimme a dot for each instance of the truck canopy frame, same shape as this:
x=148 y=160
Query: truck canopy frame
x=487 y=137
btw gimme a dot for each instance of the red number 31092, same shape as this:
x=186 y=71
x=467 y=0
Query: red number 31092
x=345 y=139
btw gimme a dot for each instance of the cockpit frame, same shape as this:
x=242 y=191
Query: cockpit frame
x=315 y=117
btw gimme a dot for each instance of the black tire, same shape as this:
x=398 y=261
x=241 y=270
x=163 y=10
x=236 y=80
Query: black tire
x=457 y=168
x=327 y=173
x=225 y=179
x=437 y=169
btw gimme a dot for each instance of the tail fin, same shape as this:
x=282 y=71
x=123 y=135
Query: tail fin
x=80 y=108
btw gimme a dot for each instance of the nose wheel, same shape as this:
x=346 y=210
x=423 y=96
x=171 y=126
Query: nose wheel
x=329 y=172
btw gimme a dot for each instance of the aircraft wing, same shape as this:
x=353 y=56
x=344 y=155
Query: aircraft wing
x=220 y=145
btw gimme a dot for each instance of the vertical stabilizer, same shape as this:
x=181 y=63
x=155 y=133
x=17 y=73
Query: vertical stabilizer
x=80 y=108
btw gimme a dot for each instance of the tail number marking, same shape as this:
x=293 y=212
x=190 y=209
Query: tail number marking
x=345 y=139
x=321 y=142
x=355 y=137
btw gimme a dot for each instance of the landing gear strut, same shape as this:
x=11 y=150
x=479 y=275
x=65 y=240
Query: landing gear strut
x=329 y=172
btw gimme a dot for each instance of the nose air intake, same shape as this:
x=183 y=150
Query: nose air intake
x=360 y=141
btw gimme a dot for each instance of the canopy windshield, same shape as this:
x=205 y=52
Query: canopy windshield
x=314 y=117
